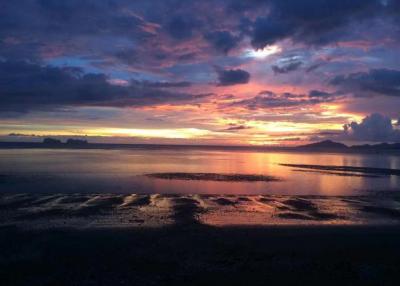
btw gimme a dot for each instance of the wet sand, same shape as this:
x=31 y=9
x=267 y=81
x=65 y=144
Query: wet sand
x=213 y=177
x=114 y=239
x=139 y=210
x=345 y=170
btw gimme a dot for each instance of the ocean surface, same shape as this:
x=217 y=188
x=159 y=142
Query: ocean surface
x=124 y=171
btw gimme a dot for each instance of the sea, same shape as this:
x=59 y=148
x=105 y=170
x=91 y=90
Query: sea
x=126 y=170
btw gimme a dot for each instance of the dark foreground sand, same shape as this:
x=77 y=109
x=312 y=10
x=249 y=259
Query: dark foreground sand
x=198 y=255
x=198 y=240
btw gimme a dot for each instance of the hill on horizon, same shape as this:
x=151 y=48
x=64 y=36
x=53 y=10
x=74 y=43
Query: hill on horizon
x=325 y=144
x=329 y=144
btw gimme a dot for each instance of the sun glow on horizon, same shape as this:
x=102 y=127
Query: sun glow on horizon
x=179 y=133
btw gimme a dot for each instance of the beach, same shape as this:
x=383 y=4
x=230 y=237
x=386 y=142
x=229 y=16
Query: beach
x=198 y=217
x=111 y=239
x=97 y=247
x=41 y=211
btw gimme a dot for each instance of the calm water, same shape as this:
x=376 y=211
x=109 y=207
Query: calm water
x=120 y=171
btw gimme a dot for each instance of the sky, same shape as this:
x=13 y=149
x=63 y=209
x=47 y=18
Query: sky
x=273 y=72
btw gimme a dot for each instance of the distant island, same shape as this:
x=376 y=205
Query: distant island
x=51 y=141
x=69 y=142
x=331 y=145
x=323 y=146
x=327 y=144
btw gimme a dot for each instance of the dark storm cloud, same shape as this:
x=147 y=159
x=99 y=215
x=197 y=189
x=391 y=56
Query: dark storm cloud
x=375 y=127
x=232 y=76
x=375 y=81
x=222 y=41
x=113 y=32
x=140 y=32
x=267 y=31
x=181 y=27
x=27 y=86
x=393 y=8
x=310 y=21
x=292 y=66
x=131 y=32
x=39 y=24
x=72 y=17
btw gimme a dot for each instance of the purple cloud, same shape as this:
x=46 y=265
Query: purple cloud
x=232 y=76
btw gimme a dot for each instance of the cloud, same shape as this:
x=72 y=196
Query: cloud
x=321 y=94
x=268 y=31
x=232 y=76
x=292 y=66
x=20 y=135
x=65 y=25
x=393 y=8
x=181 y=27
x=375 y=81
x=40 y=25
x=27 y=86
x=235 y=128
x=222 y=41
x=162 y=84
x=375 y=127
x=310 y=21
x=268 y=99
x=145 y=36
x=157 y=34
x=313 y=67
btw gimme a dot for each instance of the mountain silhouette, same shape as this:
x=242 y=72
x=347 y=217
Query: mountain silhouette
x=326 y=144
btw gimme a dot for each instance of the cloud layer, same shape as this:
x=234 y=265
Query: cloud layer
x=375 y=81
x=26 y=86
x=247 y=72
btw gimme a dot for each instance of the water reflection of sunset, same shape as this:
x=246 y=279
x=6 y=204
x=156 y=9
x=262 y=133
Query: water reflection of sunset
x=123 y=170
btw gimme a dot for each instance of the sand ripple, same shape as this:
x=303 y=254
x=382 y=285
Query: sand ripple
x=137 y=210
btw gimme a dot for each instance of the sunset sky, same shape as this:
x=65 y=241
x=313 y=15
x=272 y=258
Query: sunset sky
x=273 y=72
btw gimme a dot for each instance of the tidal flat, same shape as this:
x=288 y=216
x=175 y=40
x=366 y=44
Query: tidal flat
x=84 y=210
x=139 y=239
